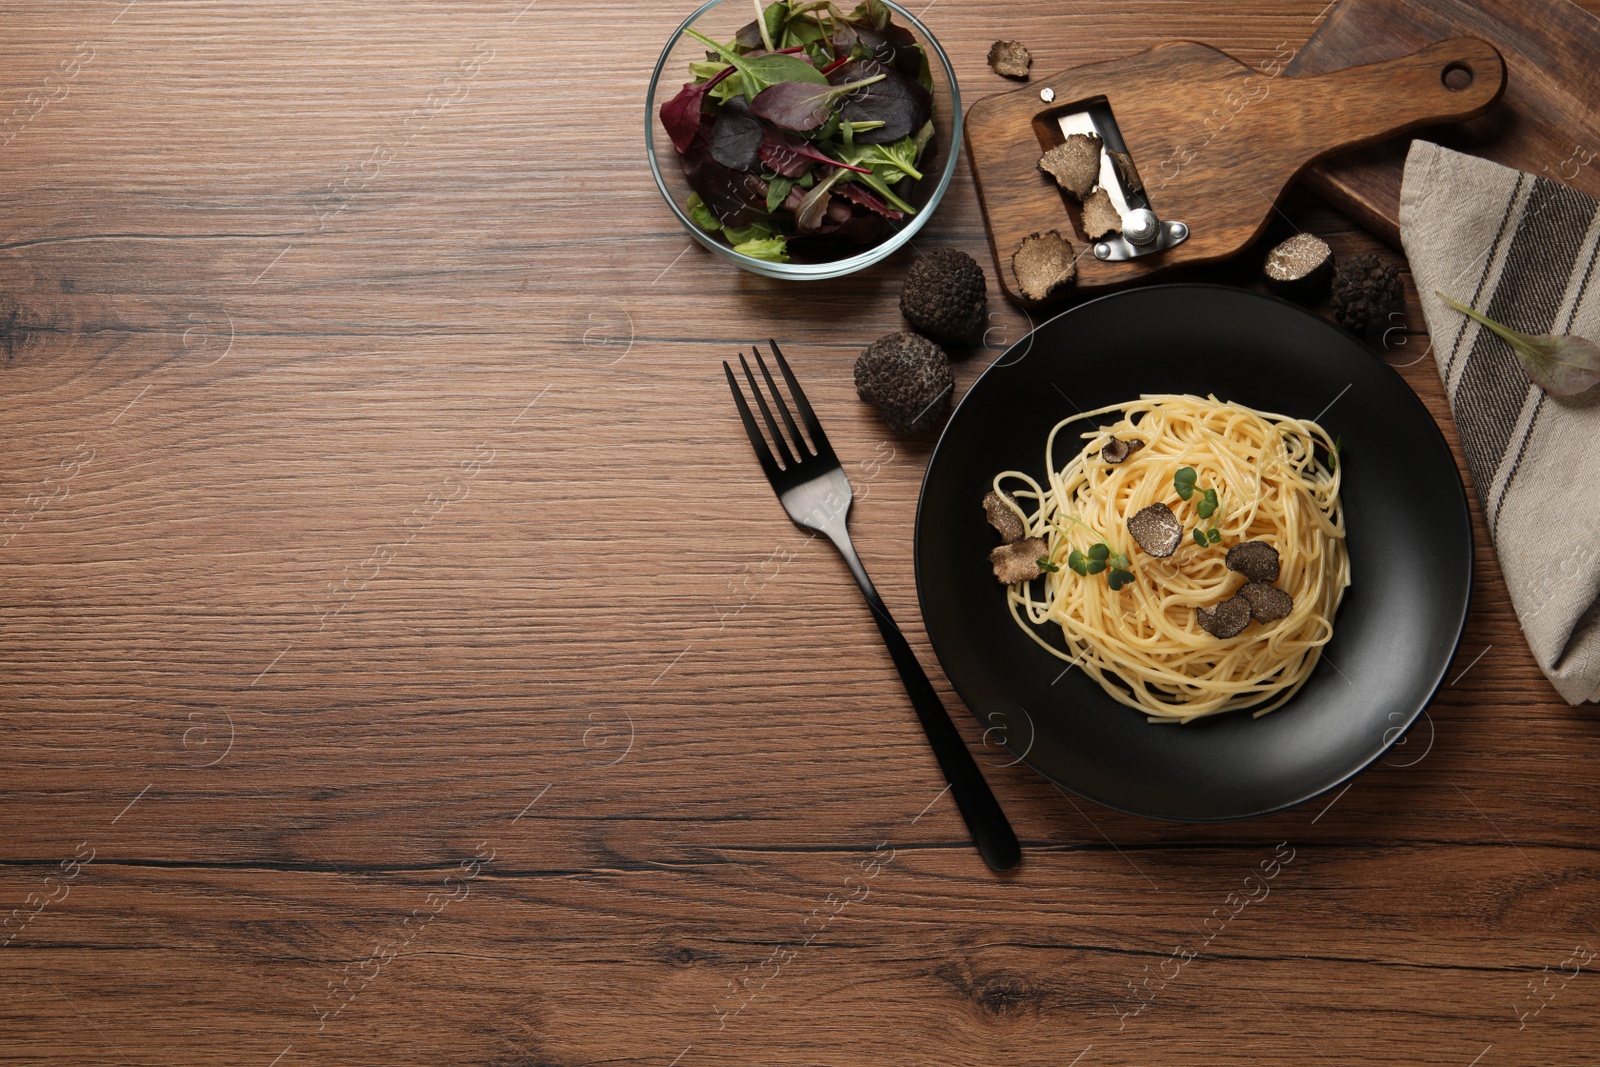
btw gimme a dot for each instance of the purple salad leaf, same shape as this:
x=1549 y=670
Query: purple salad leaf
x=737 y=198
x=791 y=155
x=863 y=228
x=899 y=103
x=869 y=200
x=736 y=135
x=894 y=45
x=801 y=106
x=681 y=114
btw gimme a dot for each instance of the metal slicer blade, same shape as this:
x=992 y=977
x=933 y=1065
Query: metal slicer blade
x=1097 y=119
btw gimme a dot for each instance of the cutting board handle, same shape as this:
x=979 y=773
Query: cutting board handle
x=1450 y=80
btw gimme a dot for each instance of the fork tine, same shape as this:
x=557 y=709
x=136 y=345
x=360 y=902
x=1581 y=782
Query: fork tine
x=809 y=417
x=766 y=413
x=763 y=453
x=800 y=448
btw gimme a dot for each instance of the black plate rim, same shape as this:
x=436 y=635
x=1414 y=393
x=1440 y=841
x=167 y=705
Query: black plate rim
x=1469 y=555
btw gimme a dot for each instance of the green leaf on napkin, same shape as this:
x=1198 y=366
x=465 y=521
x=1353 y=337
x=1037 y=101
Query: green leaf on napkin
x=1562 y=365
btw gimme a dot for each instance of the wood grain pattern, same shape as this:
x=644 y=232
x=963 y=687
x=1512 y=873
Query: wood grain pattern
x=1545 y=123
x=388 y=512
x=1216 y=142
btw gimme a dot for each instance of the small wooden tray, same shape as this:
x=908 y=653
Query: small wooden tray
x=1215 y=142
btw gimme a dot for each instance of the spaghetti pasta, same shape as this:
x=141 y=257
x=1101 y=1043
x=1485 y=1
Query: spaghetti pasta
x=1142 y=643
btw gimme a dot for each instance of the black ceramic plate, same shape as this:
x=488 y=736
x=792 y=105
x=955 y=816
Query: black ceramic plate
x=1409 y=537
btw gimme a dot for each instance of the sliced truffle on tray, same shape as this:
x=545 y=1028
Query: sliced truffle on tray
x=1018 y=561
x=1074 y=164
x=1130 y=174
x=1100 y=215
x=1003 y=518
x=1043 y=263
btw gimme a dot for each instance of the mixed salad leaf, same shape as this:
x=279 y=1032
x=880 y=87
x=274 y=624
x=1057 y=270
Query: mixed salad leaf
x=803 y=136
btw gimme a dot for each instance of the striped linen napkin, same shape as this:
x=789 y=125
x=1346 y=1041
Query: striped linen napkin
x=1521 y=249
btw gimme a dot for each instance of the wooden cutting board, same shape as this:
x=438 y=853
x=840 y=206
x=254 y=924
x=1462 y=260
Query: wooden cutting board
x=1546 y=122
x=1216 y=143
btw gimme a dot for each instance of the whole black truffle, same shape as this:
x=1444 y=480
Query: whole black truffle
x=907 y=378
x=945 y=296
x=1366 y=288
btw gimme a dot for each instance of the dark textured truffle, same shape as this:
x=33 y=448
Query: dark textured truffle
x=1100 y=215
x=1256 y=560
x=1300 y=267
x=945 y=296
x=1226 y=619
x=1157 y=530
x=1043 y=263
x=1010 y=59
x=1130 y=174
x=1267 y=602
x=1117 y=450
x=907 y=378
x=1018 y=561
x=1074 y=164
x=1366 y=288
x=1003 y=518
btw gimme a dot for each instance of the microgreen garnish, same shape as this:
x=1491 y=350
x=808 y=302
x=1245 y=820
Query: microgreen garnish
x=1185 y=483
x=1333 y=453
x=1098 y=557
x=1045 y=565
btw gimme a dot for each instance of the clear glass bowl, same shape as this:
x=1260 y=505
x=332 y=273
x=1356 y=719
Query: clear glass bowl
x=720 y=20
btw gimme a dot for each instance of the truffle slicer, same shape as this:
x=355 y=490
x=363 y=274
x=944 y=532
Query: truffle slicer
x=1143 y=233
x=1214 y=143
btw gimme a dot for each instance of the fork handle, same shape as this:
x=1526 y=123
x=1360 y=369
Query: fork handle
x=985 y=820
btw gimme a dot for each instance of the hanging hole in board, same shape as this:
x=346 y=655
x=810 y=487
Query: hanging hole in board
x=1456 y=77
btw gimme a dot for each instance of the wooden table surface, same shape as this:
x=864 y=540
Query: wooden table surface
x=403 y=662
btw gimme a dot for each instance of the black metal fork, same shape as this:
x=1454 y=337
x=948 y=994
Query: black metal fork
x=815 y=491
